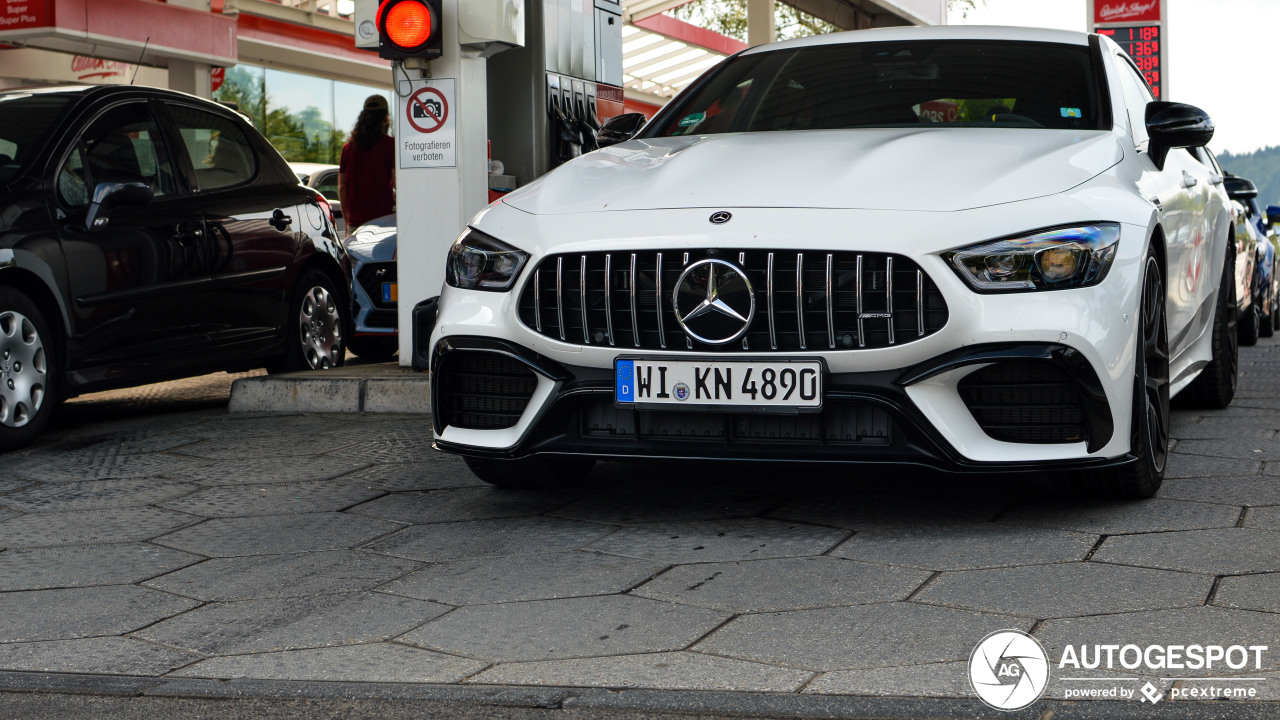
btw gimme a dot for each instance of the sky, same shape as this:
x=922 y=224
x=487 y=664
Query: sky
x=1220 y=56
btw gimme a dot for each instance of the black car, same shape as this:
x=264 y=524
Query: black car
x=147 y=235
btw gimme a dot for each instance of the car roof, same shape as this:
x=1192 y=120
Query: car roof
x=932 y=32
x=88 y=92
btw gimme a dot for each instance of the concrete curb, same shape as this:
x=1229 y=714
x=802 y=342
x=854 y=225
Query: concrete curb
x=692 y=702
x=322 y=393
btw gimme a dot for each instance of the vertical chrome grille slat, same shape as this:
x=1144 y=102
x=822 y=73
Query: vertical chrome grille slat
x=833 y=278
x=560 y=295
x=888 y=293
x=862 y=336
x=635 y=318
x=773 y=335
x=657 y=284
x=800 y=296
x=582 y=300
x=831 y=303
x=608 y=297
x=919 y=303
x=537 y=299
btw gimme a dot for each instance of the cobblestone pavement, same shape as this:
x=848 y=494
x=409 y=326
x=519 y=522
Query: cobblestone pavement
x=201 y=544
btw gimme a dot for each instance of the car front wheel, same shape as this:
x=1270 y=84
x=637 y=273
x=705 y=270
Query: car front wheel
x=1149 y=434
x=317 y=325
x=28 y=373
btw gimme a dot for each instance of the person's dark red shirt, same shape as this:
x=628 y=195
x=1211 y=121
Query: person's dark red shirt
x=370 y=177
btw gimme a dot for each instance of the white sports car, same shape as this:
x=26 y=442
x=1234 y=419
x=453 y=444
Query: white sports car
x=970 y=248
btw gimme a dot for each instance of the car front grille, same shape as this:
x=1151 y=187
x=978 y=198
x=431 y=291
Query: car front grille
x=371 y=276
x=483 y=391
x=805 y=300
x=1025 y=402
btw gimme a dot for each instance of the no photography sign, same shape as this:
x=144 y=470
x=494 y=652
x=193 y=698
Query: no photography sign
x=428 y=136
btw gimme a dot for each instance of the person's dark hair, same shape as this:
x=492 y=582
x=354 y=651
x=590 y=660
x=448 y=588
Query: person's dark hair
x=370 y=127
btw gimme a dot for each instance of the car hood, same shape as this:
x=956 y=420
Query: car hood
x=939 y=169
x=374 y=241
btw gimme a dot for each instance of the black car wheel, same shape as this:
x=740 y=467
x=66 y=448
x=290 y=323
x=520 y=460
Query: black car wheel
x=28 y=372
x=1215 y=386
x=1249 y=327
x=317 y=330
x=1149 y=434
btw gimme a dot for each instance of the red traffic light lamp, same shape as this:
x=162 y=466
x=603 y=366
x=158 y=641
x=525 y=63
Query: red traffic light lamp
x=410 y=29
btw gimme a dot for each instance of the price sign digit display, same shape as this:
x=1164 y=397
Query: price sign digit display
x=1143 y=43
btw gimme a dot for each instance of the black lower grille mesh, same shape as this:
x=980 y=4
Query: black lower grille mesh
x=838 y=424
x=484 y=391
x=1025 y=402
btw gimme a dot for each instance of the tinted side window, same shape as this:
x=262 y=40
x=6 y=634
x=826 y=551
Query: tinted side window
x=328 y=186
x=1136 y=97
x=220 y=153
x=124 y=140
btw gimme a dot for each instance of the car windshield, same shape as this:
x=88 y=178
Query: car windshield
x=25 y=121
x=946 y=83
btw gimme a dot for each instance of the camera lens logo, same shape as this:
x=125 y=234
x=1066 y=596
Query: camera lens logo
x=1009 y=670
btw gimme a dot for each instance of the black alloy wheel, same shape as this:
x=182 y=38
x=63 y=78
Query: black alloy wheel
x=1149 y=434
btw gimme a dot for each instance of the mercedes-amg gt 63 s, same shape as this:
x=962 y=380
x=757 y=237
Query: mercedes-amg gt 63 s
x=977 y=249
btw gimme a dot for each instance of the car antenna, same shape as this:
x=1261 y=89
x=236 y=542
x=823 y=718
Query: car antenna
x=140 y=56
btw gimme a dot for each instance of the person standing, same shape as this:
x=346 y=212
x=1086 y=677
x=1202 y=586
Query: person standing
x=366 y=170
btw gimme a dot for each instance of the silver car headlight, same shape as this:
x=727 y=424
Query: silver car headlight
x=479 y=262
x=1055 y=259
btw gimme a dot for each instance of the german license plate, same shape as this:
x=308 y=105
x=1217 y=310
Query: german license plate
x=770 y=384
x=389 y=293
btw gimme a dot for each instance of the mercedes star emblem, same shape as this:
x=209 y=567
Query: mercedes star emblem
x=714 y=302
x=720 y=218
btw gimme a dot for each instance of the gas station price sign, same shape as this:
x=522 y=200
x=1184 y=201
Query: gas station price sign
x=1142 y=42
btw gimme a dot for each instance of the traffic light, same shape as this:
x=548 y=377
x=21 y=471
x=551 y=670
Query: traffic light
x=410 y=29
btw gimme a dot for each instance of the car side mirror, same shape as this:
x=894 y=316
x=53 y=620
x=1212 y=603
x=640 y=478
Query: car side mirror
x=620 y=128
x=1176 y=125
x=1239 y=188
x=115 y=189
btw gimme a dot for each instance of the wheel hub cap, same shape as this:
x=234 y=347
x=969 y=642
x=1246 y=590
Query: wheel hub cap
x=23 y=375
x=320 y=326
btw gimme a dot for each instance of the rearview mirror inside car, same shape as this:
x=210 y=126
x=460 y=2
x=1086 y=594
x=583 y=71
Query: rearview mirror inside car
x=115 y=189
x=1176 y=125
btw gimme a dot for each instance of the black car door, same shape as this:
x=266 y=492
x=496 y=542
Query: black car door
x=134 y=276
x=250 y=218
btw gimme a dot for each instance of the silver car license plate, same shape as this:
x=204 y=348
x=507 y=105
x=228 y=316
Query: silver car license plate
x=785 y=384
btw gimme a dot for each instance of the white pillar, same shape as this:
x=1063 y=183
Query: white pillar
x=191 y=77
x=761 y=25
x=433 y=205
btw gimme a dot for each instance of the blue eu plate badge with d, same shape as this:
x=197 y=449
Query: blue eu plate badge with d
x=624 y=382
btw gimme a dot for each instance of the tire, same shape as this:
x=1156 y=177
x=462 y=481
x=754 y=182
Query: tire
x=1215 y=386
x=1149 y=432
x=1249 y=326
x=1266 y=323
x=531 y=473
x=28 y=370
x=315 y=337
x=373 y=347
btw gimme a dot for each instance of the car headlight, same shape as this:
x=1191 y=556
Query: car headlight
x=478 y=262
x=1046 y=260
